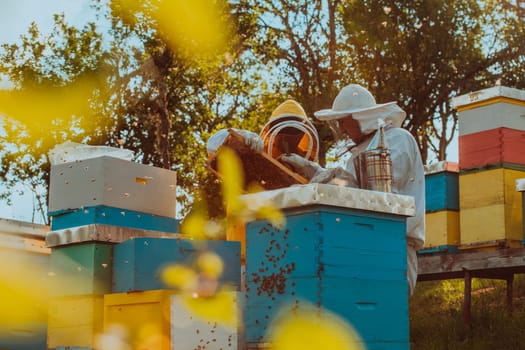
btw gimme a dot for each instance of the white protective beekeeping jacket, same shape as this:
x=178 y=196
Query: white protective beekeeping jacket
x=355 y=101
x=408 y=179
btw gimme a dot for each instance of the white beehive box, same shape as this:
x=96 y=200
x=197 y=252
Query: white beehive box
x=191 y=329
x=112 y=182
x=492 y=108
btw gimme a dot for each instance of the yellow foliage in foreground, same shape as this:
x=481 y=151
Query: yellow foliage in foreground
x=308 y=328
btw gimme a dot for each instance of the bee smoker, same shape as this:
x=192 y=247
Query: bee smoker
x=375 y=164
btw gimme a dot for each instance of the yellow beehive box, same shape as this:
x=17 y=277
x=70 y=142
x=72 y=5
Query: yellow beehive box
x=490 y=207
x=144 y=317
x=492 y=225
x=75 y=321
x=442 y=229
x=489 y=187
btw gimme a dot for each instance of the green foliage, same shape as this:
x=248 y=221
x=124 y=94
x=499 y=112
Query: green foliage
x=151 y=99
x=168 y=104
x=436 y=316
x=297 y=41
x=43 y=69
x=422 y=53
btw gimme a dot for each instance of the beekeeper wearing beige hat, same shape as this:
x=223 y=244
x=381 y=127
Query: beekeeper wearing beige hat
x=359 y=116
x=288 y=131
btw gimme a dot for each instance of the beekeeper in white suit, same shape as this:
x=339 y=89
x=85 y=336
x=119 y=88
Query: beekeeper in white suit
x=357 y=115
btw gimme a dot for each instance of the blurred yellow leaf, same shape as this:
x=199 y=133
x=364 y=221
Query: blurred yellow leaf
x=214 y=229
x=195 y=27
x=150 y=336
x=210 y=265
x=311 y=329
x=179 y=277
x=194 y=225
x=272 y=214
x=23 y=291
x=115 y=337
x=20 y=305
x=254 y=187
x=40 y=106
x=220 y=308
x=230 y=168
x=262 y=208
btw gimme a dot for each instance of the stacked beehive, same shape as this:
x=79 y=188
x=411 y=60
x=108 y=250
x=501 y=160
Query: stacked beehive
x=491 y=158
x=23 y=275
x=113 y=229
x=442 y=208
x=341 y=250
x=108 y=190
x=156 y=317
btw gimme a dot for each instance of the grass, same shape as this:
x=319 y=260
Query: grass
x=436 y=316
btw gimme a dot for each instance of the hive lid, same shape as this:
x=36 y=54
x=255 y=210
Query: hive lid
x=101 y=233
x=331 y=195
x=71 y=151
x=21 y=235
x=487 y=94
x=441 y=166
x=520 y=185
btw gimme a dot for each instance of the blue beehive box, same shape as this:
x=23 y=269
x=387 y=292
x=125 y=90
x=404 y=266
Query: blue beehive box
x=81 y=269
x=102 y=214
x=28 y=337
x=442 y=208
x=138 y=262
x=441 y=186
x=349 y=261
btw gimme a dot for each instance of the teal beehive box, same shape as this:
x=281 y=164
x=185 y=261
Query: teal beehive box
x=106 y=215
x=442 y=208
x=442 y=186
x=341 y=250
x=81 y=269
x=138 y=262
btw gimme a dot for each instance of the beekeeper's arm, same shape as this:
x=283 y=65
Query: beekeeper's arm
x=408 y=179
x=314 y=173
x=251 y=140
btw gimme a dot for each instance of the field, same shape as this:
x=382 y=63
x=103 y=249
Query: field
x=436 y=316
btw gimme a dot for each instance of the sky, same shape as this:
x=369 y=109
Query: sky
x=15 y=18
x=17 y=15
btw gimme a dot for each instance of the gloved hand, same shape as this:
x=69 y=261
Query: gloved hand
x=252 y=140
x=300 y=165
x=215 y=142
x=335 y=176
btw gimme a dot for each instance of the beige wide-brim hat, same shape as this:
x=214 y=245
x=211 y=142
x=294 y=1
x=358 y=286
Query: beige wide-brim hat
x=357 y=101
x=291 y=115
x=289 y=107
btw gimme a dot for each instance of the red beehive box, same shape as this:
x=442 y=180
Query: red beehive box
x=492 y=147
